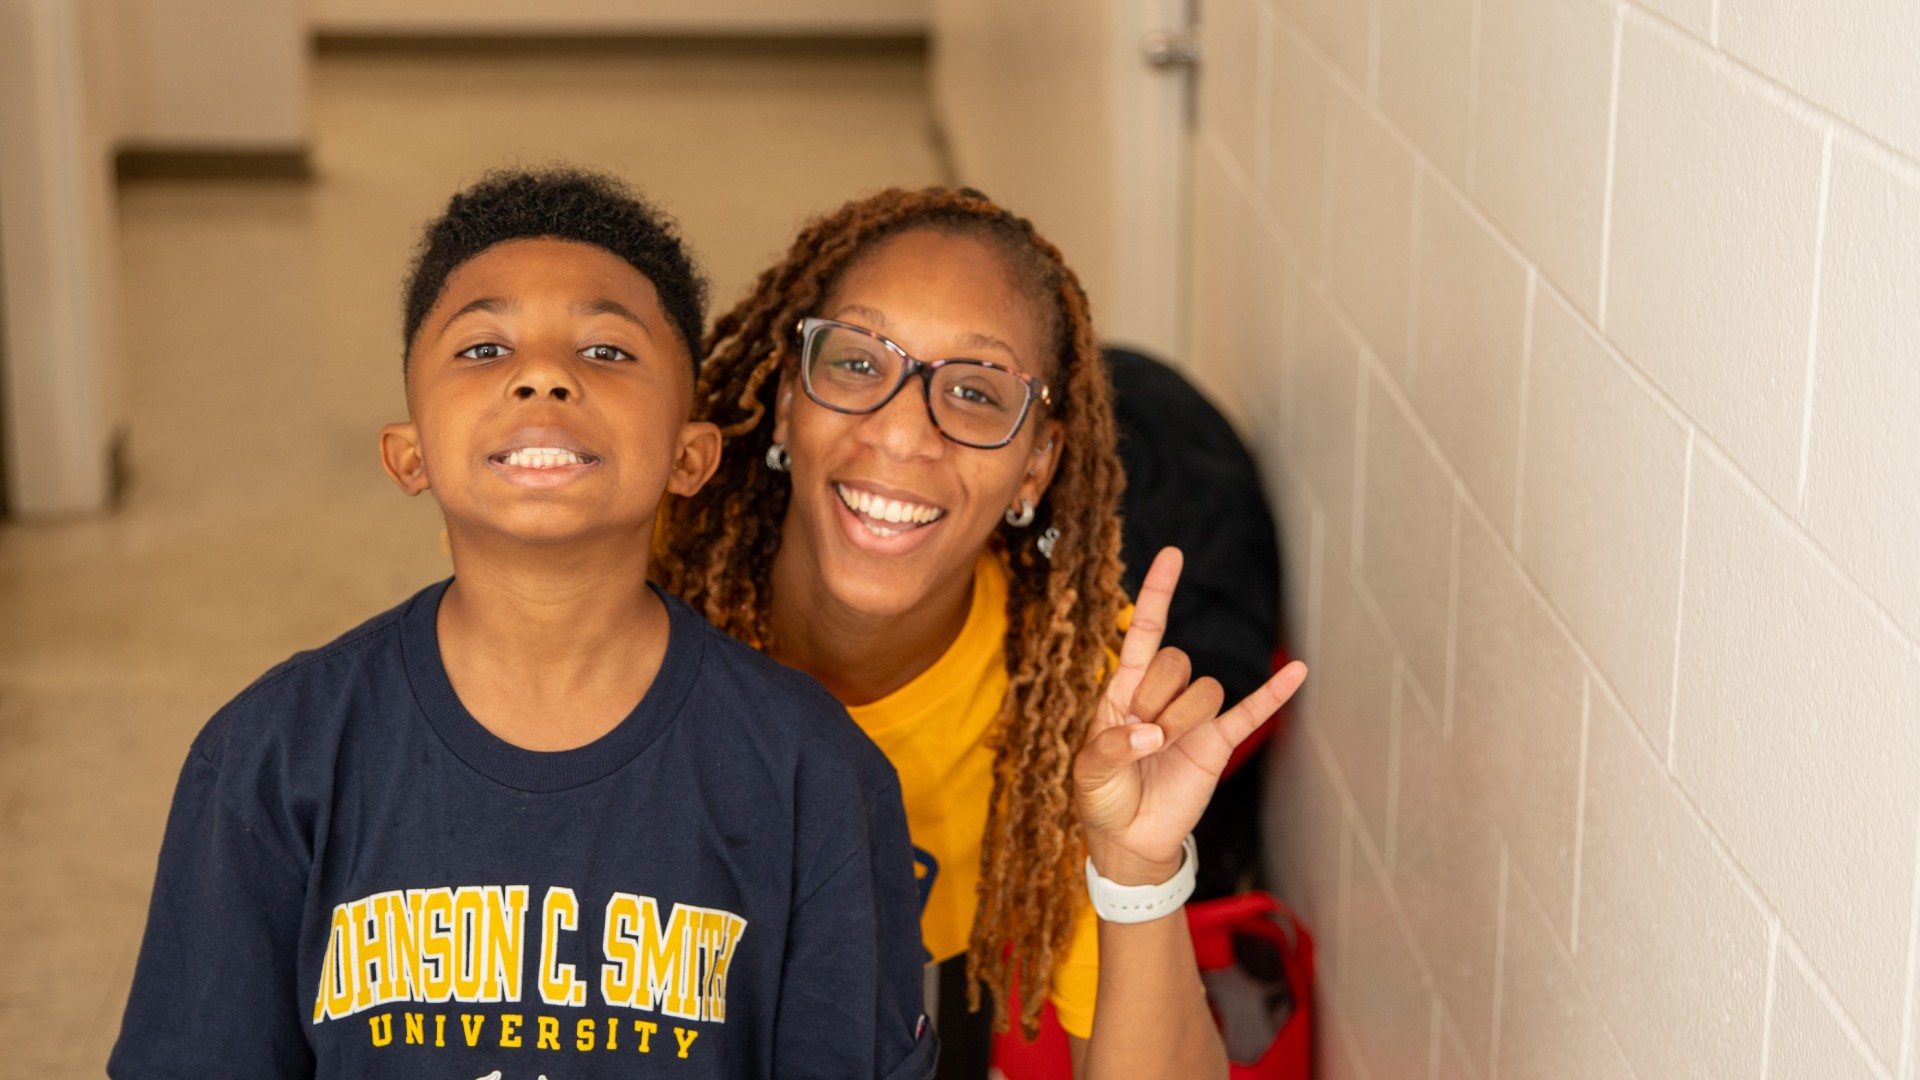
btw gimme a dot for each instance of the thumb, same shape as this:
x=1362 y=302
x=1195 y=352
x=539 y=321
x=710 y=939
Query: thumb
x=1109 y=752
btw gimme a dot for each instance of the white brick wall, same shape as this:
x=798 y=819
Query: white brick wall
x=1580 y=340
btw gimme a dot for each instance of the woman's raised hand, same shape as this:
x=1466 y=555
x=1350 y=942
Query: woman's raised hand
x=1158 y=743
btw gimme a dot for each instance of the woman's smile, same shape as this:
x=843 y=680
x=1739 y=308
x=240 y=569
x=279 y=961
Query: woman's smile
x=883 y=521
x=878 y=508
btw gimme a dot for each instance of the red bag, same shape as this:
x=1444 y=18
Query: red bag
x=1281 y=949
x=1047 y=1057
x=1213 y=924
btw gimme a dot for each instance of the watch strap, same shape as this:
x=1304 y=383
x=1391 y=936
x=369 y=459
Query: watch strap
x=1117 y=903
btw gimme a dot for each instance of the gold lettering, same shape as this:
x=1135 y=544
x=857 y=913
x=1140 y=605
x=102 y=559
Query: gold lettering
x=665 y=953
x=675 y=964
x=435 y=944
x=326 y=969
x=709 y=939
x=470 y=941
x=416 y=1028
x=506 y=938
x=725 y=930
x=549 y=1034
x=685 y=1037
x=336 y=984
x=613 y=1033
x=622 y=948
x=367 y=953
x=646 y=1028
x=403 y=946
x=585 y=1034
x=510 y=1029
x=561 y=911
x=471 y=1025
x=382 y=1026
x=440 y=1030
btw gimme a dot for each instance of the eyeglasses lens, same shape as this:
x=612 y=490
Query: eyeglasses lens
x=855 y=373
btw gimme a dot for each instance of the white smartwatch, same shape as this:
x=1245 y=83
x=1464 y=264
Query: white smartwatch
x=1117 y=903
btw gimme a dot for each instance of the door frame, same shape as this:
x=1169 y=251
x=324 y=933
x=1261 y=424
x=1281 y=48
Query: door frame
x=1151 y=165
x=55 y=244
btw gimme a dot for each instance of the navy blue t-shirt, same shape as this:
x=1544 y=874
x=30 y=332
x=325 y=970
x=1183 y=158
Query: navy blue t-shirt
x=359 y=880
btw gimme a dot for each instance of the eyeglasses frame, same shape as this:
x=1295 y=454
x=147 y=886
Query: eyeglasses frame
x=1036 y=390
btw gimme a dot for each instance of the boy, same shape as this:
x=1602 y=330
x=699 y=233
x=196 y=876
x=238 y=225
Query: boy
x=450 y=843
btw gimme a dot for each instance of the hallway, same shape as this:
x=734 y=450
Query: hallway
x=1576 y=342
x=260 y=321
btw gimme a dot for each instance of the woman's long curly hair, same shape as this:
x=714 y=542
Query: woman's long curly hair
x=716 y=550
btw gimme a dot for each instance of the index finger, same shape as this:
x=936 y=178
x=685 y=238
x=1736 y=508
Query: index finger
x=1149 y=623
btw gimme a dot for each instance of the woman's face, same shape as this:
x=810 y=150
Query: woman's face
x=886 y=510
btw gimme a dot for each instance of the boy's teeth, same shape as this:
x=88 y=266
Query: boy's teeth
x=543 y=457
x=884 y=509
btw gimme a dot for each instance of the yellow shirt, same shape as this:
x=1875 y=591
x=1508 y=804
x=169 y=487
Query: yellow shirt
x=934 y=730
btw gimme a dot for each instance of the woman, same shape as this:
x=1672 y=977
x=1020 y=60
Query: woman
x=916 y=505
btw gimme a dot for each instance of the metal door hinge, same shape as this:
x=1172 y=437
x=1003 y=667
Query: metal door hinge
x=1170 y=49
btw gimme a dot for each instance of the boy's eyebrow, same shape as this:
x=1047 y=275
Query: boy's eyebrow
x=604 y=306
x=492 y=305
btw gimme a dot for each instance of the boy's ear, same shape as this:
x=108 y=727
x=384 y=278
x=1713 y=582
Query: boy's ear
x=699 y=455
x=400 y=456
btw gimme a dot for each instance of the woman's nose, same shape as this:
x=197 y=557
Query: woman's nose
x=903 y=427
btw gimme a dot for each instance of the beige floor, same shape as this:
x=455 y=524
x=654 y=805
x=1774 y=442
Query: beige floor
x=260 y=321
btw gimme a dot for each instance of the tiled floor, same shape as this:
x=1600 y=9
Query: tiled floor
x=260 y=320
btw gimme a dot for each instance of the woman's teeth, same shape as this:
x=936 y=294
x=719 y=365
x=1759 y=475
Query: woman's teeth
x=544 y=457
x=875 y=508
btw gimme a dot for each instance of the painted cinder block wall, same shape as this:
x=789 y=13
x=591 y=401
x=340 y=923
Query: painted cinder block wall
x=1580 y=341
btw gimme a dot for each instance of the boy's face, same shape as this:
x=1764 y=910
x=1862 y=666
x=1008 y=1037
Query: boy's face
x=549 y=398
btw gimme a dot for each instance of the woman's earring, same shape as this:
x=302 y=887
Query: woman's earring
x=1046 y=542
x=778 y=459
x=1022 y=517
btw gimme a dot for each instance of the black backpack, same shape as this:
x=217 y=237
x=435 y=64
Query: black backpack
x=1192 y=485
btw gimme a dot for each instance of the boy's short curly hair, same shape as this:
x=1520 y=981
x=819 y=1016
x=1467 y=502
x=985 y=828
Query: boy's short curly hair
x=561 y=203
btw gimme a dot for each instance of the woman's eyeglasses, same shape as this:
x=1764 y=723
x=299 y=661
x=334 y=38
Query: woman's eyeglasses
x=851 y=369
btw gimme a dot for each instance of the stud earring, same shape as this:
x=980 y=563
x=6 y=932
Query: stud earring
x=1022 y=517
x=778 y=459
